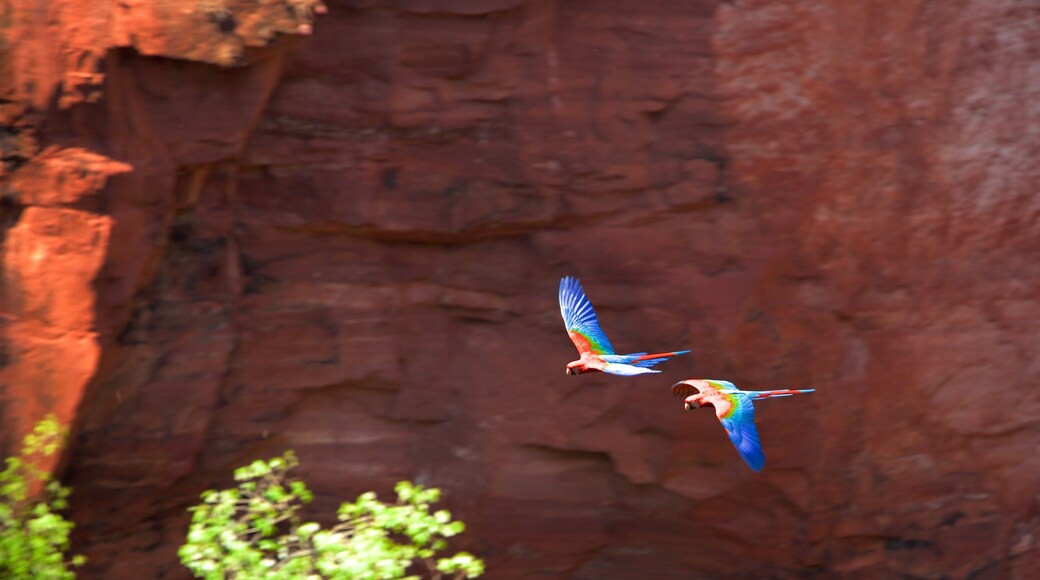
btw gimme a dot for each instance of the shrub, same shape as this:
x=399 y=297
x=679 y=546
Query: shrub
x=253 y=531
x=33 y=536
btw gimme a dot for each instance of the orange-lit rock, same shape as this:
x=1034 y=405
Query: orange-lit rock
x=221 y=242
x=52 y=253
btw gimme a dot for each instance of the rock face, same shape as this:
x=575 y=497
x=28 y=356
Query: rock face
x=222 y=240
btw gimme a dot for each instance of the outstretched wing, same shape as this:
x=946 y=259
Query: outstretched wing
x=580 y=319
x=739 y=422
x=689 y=387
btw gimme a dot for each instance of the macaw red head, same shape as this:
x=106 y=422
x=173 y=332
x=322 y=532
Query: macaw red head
x=691 y=390
x=691 y=402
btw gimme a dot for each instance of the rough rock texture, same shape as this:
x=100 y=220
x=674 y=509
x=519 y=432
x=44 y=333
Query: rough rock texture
x=220 y=241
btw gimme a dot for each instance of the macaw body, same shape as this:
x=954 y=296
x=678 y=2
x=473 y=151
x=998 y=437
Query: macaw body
x=596 y=354
x=735 y=410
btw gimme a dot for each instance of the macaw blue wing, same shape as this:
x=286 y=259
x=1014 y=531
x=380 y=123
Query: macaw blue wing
x=580 y=319
x=646 y=363
x=739 y=423
x=622 y=358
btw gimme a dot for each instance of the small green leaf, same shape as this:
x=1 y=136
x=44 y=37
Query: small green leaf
x=306 y=530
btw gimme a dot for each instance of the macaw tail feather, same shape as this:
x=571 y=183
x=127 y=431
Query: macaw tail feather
x=644 y=356
x=755 y=395
x=641 y=359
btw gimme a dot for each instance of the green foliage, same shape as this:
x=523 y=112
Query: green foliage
x=33 y=536
x=253 y=531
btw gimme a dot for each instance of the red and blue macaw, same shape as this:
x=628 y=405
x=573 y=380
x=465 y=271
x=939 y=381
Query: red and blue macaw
x=735 y=411
x=596 y=353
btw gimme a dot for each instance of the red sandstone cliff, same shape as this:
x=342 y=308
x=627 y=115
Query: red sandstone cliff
x=224 y=237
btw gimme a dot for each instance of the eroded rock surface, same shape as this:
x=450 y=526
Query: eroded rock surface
x=223 y=239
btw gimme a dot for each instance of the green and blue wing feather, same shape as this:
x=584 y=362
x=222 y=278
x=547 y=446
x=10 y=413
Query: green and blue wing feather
x=739 y=423
x=580 y=318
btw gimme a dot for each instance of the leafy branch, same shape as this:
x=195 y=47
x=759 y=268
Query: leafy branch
x=33 y=536
x=253 y=531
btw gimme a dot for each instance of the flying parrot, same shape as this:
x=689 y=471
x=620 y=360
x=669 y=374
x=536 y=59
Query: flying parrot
x=596 y=353
x=735 y=411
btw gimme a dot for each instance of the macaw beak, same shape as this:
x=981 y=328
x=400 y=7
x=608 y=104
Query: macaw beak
x=689 y=406
x=570 y=371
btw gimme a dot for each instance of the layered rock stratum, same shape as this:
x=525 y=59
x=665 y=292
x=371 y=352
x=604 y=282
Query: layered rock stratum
x=236 y=227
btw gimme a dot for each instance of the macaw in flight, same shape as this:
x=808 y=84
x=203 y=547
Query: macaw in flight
x=596 y=353
x=735 y=411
